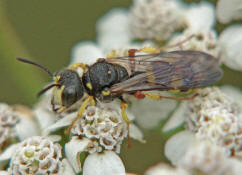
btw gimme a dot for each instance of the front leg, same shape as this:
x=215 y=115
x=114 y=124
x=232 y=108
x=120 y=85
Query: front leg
x=81 y=111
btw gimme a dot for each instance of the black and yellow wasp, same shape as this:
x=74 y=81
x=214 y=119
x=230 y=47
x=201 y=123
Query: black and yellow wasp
x=110 y=78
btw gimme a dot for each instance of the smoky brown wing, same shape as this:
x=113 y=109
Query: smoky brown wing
x=167 y=71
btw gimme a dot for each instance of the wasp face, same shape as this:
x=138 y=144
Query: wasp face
x=69 y=91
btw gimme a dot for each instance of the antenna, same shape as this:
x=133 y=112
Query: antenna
x=46 y=89
x=43 y=68
x=35 y=64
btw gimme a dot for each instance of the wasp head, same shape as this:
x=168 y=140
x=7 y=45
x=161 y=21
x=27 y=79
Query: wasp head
x=69 y=89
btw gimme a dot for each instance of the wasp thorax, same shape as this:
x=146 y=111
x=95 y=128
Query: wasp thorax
x=70 y=88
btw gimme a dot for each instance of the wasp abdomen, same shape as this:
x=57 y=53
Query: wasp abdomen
x=122 y=73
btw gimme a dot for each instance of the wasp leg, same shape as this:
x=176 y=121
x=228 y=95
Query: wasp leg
x=160 y=97
x=123 y=106
x=150 y=50
x=153 y=50
x=178 y=44
x=111 y=54
x=187 y=92
x=74 y=66
x=131 y=52
x=80 y=112
x=60 y=110
x=93 y=102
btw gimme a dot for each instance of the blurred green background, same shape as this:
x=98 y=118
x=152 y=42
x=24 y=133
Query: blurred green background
x=45 y=31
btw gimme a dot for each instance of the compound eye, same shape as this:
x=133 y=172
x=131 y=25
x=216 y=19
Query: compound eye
x=69 y=96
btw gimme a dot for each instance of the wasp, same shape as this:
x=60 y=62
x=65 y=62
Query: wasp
x=135 y=74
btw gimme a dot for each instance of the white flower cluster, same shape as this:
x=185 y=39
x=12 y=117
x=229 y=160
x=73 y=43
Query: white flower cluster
x=211 y=143
x=214 y=116
x=36 y=155
x=227 y=11
x=103 y=126
x=207 y=158
x=155 y=19
x=205 y=41
x=209 y=101
x=100 y=128
x=8 y=120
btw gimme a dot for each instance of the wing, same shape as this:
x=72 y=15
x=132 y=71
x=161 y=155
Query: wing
x=167 y=71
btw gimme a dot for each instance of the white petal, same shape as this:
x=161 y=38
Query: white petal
x=233 y=92
x=86 y=52
x=177 y=118
x=177 y=145
x=67 y=169
x=228 y=10
x=115 y=21
x=7 y=154
x=235 y=166
x=44 y=117
x=4 y=173
x=43 y=112
x=65 y=121
x=204 y=157
x=54 y=138
x=230 y=41
x=136 y=133
x=150 y=112
x=107 y=163
x=113 y=30
x=201 y=17
x=27 y=127
x=164 y=169
x=112 y=41
x=73 y=150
